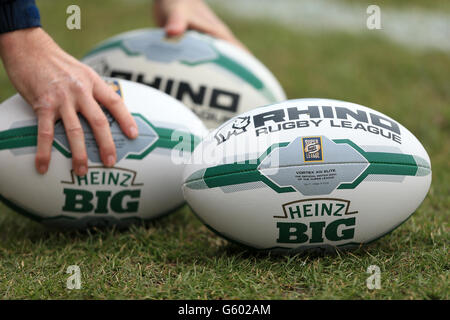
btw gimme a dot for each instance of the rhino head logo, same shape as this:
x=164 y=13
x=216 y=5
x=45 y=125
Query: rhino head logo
x=238 y=126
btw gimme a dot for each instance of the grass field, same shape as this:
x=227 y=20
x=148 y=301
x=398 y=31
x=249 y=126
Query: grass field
x=178 y=258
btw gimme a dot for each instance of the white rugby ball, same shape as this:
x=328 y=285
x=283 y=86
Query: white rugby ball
x=144 y=184
x=307 y=173
x=217 y=80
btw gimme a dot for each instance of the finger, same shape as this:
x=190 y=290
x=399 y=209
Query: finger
x=101 y=129
x=114 y=103
x=75 y=136
x=176 y=24
x=46 y=131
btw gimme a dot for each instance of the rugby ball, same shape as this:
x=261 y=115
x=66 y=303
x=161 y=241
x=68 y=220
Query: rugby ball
x=217 y=80
x=144 y=184
x=307 y=173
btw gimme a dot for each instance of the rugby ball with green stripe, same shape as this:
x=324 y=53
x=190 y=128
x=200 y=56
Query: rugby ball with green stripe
x=307 y=173
x=214 y=78
x=144 y=184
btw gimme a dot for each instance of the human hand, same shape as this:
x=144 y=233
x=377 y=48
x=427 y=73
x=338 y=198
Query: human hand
x=57 y=86
x=176 y=16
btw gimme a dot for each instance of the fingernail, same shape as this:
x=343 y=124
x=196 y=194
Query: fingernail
x=134 y=132
x=42 y=169
x=173 y=30
x=82 y=170
x=110 y=161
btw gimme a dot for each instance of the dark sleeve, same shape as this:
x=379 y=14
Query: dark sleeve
x=18 y=14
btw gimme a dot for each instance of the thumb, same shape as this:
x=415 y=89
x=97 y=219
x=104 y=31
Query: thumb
x=176 y=24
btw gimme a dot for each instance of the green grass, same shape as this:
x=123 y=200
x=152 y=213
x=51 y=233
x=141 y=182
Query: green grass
x=177 y=257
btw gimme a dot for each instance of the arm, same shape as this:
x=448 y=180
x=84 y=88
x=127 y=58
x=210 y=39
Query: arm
x=57 y=86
